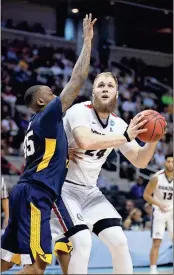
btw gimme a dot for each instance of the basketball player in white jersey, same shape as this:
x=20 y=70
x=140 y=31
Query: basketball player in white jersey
x=161 y=186
x=96 y=130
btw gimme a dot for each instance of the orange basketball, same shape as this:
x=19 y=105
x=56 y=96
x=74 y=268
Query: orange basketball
x=155 y=125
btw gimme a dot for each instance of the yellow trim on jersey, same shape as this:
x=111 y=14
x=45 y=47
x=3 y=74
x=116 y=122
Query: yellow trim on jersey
x=35 y=232
x=50 y=146
x=65 y=247
x=16 y=259
x=67 y=163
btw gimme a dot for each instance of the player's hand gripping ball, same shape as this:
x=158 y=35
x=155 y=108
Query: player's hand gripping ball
x=155 y=125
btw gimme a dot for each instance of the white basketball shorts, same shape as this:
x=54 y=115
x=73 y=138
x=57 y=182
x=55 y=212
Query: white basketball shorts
x=86 y=206
x=160 y=221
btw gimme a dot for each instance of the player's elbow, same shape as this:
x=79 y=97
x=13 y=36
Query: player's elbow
x=82 y=144
x=141 y=164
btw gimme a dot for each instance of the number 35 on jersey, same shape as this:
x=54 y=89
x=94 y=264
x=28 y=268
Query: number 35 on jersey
x=29 y=144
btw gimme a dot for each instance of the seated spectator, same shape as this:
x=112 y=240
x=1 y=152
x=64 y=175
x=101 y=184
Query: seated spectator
x=9 y=24
x=9 y=126
x=134 y=221
x=159 y=159
x=24 y=122
x=38 y=28
x=103 y=182
x=137 y=190
x=129 y=206
x=23 y=26
x=127 y=171
x=148 y=216
x=128 y=105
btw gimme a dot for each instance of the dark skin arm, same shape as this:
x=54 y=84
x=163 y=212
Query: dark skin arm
x=81 y=69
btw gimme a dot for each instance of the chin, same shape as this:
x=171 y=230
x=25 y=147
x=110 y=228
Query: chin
x=105 y=106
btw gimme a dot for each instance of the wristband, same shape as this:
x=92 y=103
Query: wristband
x=126 y=135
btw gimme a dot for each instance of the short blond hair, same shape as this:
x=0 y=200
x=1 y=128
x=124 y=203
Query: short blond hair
x=107 y=74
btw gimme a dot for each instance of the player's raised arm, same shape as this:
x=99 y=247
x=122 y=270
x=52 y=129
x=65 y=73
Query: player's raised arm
x=80 y=71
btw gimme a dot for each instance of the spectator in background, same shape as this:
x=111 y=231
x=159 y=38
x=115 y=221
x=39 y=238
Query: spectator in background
x=24 y=122
x=134 y=221
x=128 y=105
x=104 y=52
x=127 y=171
x=137 y=190
x=159 y=159
x=9 y=24
x=148 y=216
x=38 y=28
x=4 y=202
x=129 y=206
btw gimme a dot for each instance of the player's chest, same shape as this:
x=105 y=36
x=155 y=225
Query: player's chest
x=100 y=127
x=165 y=186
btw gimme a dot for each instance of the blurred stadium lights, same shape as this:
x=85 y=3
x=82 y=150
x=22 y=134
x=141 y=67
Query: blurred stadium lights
x=112 y=2
x=75 y=10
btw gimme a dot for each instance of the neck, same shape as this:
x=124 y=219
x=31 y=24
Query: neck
x=169 y=174
x=103 y=115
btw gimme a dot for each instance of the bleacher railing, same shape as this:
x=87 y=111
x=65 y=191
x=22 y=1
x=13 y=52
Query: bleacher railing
x=38 y=39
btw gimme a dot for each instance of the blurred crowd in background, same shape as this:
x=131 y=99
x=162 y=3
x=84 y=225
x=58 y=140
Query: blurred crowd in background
x=23 y=26
x=140 y=87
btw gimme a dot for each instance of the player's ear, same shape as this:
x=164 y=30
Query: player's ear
x=40 y=102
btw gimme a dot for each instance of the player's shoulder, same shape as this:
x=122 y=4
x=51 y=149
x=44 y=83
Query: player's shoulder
x=159 y=173
x=117 y=121
x=83 y=106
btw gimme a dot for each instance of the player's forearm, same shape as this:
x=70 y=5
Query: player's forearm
x=79 y=75
x=5 y=207
x=95 y=142
x=150 y=199
x=81 y=68
x=145 y=154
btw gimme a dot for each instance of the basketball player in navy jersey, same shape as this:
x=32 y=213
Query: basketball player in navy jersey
x=27 y=238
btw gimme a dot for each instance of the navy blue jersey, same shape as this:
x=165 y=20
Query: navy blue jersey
x=46 y=148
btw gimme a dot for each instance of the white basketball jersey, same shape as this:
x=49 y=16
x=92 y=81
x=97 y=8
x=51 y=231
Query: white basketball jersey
x=164 y=190
x=87 y=170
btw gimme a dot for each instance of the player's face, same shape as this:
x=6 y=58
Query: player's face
x=129 y=206
x=105 y=94
x=44 y=96
x=169 y=164
x=137 y=215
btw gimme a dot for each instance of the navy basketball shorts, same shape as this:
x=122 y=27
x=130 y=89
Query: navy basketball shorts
x=28 y=232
